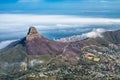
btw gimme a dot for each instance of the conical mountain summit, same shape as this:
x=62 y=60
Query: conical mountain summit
x=36 y=44
x=33 y=33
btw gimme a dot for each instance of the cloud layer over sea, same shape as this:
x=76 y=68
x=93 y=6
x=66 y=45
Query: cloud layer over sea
x=5 y=43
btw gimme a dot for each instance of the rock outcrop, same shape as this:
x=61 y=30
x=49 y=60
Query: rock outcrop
x=32 y=34
x=36 y=44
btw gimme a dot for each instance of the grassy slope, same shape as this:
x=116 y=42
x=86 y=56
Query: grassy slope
x=15 y=54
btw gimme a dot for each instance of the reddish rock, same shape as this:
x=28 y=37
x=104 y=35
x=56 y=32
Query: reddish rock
x=38 y=45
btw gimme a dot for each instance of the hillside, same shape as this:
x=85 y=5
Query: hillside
x=36 y=58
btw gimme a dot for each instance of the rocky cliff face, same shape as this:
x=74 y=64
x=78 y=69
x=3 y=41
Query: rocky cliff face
x=38 y=45
x=32 y=34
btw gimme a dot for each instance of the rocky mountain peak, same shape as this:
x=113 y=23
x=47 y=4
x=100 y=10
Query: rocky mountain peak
x=37 y=44
x=32 y=30
x=32 y=34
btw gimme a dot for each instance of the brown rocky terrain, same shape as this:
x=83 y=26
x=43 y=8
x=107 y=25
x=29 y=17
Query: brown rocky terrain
x=36 y=44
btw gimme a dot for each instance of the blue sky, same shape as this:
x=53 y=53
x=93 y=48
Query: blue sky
x=61 y=7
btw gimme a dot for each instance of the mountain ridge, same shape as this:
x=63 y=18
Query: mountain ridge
x=35 y=54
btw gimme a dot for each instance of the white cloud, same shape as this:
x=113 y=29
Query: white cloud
x=63 y=25
x=94 y=33
x=29 y=0
x=59 y=20
x=3 y=44
x=26 y=18
x=35 y=62
x=23 y=64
